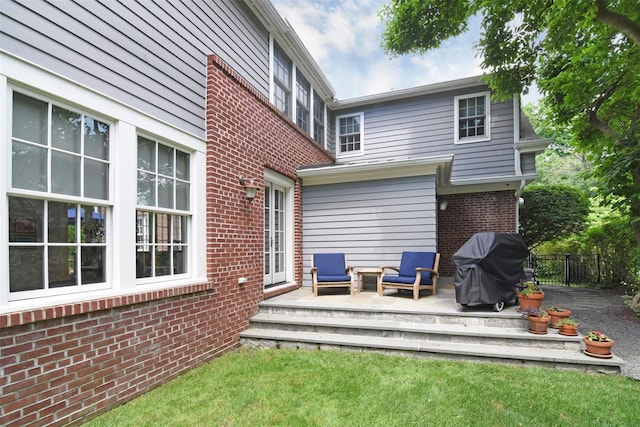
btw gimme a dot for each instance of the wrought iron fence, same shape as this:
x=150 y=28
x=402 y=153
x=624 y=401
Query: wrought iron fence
x=566 y=269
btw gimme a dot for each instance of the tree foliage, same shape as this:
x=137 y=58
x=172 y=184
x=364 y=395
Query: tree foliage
x=550 y=212
x=584 y=56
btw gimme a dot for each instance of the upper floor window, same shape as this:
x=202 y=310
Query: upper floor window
x=302 y=102
x=282 y=80
x=163 y=214
x=350 y=136
x=58 y=202
x=318 y=119
x=472 y=117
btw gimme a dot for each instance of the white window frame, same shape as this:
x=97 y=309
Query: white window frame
x=487 y=118
x=127 y=124
x=360 y=152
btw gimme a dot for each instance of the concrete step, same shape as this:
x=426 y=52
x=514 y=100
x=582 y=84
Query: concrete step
x=429 y=328
x=552 y=358
x=435 y=332
x=436 y=315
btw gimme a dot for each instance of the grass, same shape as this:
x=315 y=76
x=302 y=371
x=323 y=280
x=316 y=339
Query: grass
x=330 y=388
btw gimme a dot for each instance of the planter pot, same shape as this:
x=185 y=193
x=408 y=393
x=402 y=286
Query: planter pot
x=532 y=301
x=556 y=316
x=568 y=330
x=600 y=349
x=538 y=325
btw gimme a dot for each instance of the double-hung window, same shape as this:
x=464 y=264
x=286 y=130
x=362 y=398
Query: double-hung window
x=163 y=213
x=318 y=119
x=302 y=102
x=282 y=80
x=350 y=137
x=472 y=118
x=58 y=198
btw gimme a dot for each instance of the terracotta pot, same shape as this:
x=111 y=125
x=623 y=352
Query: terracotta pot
x=538 y=325
x=598 y=347
x=532 y=301
x=568 y=330
x=556 y=316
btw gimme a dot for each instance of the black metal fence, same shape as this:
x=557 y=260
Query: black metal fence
x=566 y=269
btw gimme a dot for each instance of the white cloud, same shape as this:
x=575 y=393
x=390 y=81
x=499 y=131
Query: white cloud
x=344 y=37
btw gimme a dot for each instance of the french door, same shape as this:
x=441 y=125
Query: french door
x=275 y=234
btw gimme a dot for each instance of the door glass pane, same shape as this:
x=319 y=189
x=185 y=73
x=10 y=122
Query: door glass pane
x=25 y=219
x=65 y=174
x=96 y=179
x=146 y=189
x=93 y=260
x=61 y=222
x=29 y=119
x=146 y=154
x=28 y=167
x=65 y=129
x=62 y=266
x=26 y=268
x=96 y=138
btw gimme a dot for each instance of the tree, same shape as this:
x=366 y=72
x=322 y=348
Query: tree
x=584 y=56
x=550 y=212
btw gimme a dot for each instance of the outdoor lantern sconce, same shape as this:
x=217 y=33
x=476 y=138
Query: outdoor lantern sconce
x=250 y=187
x=443 y=205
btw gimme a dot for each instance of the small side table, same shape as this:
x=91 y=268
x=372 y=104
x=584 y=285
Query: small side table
x=369 y=272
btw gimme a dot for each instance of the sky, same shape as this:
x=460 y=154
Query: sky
x=345 y=36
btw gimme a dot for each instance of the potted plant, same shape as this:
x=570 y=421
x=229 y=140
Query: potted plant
x=529 y=294
x=568 y=326
x=538 y=320
x=598 y=345
x=557 y=313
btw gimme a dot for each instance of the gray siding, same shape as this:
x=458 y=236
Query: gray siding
x=371 y=221
x=424 y=126
x=528 y=163
x=150 y=55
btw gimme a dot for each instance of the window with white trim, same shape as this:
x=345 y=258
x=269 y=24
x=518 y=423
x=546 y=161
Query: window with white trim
x=58 y=197
x=350 y=134
x=282 y=80
x=318 y=119
x=472 y=118
x=303 y=96
x=163 y=212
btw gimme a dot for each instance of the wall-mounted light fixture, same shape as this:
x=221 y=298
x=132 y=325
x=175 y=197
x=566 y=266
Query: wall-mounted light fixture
x=443 y=204
x=250 y=187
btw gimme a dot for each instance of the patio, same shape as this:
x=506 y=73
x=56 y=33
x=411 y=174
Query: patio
x=430 y=327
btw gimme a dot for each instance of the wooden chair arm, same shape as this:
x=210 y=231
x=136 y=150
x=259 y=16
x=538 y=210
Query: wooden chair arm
x=431 y=270
x=397 y=269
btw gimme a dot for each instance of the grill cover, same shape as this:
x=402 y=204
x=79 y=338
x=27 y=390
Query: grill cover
x=487 y=266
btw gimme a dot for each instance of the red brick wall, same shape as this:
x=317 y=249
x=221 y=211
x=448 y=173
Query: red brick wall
x=467 y=214
x=65 y=364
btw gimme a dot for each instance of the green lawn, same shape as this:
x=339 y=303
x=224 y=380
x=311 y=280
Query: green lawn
x=327 y=388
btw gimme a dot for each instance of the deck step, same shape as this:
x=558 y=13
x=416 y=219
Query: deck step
x=435 y=328
x=559 y=359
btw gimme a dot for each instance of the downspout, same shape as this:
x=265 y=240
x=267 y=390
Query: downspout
x=517 y=158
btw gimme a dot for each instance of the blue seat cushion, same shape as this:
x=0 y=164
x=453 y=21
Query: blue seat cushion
x=342 y=278
x=408 y=280
x=330 y=265
x=408 y=264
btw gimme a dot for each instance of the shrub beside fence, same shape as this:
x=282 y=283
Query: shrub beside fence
x=566 y=269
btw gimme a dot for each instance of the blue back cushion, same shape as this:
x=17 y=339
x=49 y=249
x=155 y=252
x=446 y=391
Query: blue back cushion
x=412 y=260
x=330 y=264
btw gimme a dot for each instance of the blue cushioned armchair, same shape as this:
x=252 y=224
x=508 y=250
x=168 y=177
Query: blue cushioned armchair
x=331 y=271
x=417 y=271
